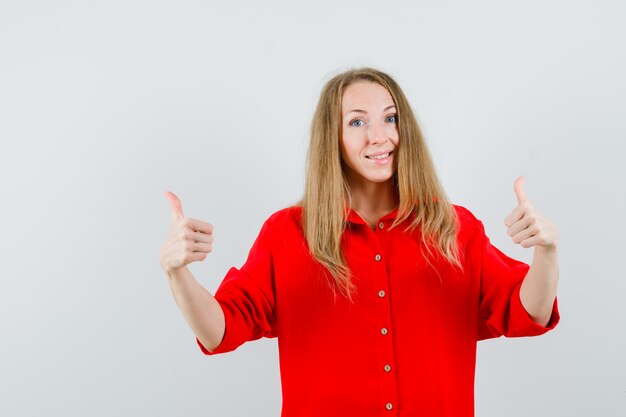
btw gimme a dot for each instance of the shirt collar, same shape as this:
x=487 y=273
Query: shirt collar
x=354 y=217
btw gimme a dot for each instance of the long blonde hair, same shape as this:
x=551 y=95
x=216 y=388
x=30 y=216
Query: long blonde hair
x=327 y=195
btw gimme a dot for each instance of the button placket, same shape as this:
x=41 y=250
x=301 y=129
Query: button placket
x=384 y=310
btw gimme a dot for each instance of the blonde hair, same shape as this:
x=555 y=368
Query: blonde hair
x=327 y=195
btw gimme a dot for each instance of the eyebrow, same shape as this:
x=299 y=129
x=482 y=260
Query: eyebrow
x=363 y=111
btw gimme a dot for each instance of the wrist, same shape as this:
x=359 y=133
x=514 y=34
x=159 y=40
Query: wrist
x=174 y=273
x=546 y=251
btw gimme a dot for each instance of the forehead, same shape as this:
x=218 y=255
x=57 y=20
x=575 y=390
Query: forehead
x=365 y=94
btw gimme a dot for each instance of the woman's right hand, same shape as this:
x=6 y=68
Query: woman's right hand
x=191 y=240
x=187 y=240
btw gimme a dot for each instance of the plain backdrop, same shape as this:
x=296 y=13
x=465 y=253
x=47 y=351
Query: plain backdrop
x=104 y=105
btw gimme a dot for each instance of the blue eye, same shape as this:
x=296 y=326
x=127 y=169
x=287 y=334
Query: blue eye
x=394 y=117
x=352 y=123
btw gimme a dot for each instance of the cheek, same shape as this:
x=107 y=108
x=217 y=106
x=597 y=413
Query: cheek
x=350 y=143
x=344 y=149
x=343 y=145
x=392 y=131
x=395 y=139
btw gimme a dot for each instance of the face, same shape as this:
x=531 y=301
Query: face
x=370 y=135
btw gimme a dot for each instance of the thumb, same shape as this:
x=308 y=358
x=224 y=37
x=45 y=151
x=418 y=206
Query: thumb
x=177 y=209
x=518 y=187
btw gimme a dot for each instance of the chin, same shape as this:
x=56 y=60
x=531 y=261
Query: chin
x=380 y=179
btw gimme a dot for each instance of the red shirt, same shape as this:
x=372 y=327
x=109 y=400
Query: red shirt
x=407 y=347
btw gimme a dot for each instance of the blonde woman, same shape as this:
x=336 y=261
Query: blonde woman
x=376 y=286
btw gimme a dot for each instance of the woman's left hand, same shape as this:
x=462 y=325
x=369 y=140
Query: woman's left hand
x=526 y=225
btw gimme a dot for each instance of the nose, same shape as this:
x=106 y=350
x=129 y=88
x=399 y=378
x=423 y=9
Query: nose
x=377 y=133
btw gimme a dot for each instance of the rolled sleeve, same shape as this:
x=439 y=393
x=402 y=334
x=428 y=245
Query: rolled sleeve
x=501 y=309
x=246 y=296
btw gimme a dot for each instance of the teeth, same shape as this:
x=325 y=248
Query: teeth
x=383 y=156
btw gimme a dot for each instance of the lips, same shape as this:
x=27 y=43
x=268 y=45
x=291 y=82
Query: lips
x=379 y=155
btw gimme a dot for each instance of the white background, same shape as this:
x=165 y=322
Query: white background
x=104 y=105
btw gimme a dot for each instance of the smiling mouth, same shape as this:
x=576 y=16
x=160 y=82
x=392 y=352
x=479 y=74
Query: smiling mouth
x=381 y=156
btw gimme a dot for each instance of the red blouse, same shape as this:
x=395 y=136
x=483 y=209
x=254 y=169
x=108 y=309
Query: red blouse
x=406 y=347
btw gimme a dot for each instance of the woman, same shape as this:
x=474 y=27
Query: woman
x=377 y=287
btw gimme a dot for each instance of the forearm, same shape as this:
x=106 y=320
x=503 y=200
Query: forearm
x=538 y=290
x=201 y=310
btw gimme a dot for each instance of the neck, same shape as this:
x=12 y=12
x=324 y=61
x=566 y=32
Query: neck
x=373 y=198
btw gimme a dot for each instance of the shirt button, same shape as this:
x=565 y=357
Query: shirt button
x=381 y=293
x=381 y=225
x=387 y=368
x=378 y=257
x=388 y=406
x=384 y=330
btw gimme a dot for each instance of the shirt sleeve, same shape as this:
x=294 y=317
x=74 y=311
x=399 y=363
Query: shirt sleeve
x=501 y=310
x=247 y=296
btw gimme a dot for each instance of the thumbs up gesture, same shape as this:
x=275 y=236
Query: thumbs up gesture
x=527 y=226
x=187 y=240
